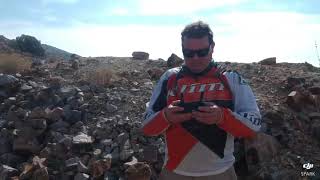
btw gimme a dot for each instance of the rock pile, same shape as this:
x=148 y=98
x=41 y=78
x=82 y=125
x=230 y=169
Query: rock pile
x=56 y=125
x=64 y=132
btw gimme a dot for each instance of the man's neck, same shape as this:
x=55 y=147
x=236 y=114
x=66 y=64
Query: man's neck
x=205 y=71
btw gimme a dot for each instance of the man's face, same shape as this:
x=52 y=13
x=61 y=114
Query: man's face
x=197 y=53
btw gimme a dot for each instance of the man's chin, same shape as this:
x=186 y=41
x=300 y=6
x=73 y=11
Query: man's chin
x=196 y=70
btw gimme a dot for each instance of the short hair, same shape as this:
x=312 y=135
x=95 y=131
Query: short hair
x=198 y=29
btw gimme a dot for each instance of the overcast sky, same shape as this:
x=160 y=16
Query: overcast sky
x=244 y=31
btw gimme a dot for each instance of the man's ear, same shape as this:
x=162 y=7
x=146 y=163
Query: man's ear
x=211 y=49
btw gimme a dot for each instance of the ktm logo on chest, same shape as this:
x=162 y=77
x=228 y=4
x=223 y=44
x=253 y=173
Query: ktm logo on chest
x=192 y=88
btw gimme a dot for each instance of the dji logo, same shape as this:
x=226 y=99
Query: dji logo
x=307 y=166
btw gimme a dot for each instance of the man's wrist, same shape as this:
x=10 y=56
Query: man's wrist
x=166 y=117
x=221 y=116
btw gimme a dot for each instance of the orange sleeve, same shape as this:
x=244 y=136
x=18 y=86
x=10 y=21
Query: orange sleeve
x=234 y=126
x=156 y=125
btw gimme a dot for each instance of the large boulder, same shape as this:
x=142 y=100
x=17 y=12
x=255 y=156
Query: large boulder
x=139 y=55
x=268 y=61
x=174 y=61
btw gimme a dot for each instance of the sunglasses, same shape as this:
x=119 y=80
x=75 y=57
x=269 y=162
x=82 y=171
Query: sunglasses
x=200 y=52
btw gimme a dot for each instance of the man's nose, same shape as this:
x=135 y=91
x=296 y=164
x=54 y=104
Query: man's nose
x=195 y=57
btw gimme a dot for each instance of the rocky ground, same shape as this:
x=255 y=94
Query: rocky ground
x=80 y=120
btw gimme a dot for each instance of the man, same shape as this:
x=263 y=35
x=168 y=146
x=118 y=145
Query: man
x=200 y=110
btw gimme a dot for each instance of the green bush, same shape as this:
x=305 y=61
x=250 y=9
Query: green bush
x=30 y=44
x=13 y=44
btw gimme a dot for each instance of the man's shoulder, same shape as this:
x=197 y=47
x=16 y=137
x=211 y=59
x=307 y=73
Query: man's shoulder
x=231 y=73
x=235 y=76
x=171 y=72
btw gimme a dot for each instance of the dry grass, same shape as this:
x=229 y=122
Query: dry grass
x=100 y=76
x=14 y=63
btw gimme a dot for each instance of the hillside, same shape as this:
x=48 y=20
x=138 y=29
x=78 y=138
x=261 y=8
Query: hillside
x=6 y=46
x=53 y=52
x=81 y=119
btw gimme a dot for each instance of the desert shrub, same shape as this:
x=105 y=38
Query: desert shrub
x=14 y=63
x=30 y=44
x=100 y=76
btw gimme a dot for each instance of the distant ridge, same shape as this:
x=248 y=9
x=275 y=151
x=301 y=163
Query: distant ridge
x=53 y=52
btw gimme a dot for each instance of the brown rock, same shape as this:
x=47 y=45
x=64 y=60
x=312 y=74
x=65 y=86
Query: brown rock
x=138 y=171
x=174 y=61
x=268 y=61
x=260 y=149
x=294 y=100
x=139 y=55
x=99 y=167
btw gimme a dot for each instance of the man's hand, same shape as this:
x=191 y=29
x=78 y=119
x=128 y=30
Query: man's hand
x=210 y=114
x=172 y=113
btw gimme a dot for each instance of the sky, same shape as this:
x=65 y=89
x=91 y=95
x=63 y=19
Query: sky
x=244 y=30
